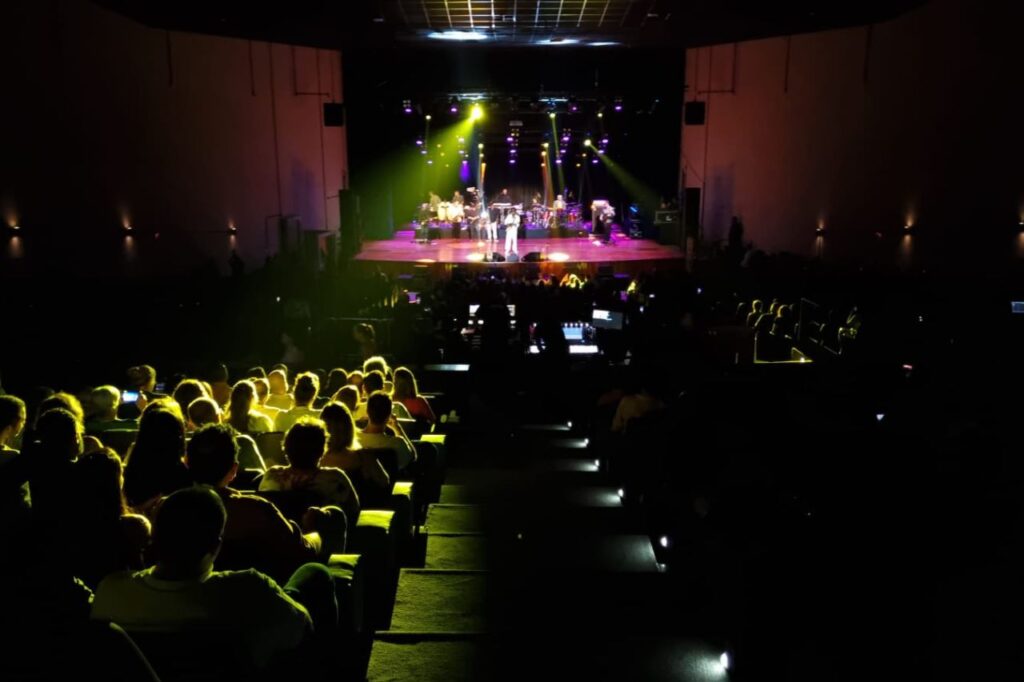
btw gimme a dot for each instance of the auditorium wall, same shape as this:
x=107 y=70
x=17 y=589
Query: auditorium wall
x=863 y=131
x=108 y=122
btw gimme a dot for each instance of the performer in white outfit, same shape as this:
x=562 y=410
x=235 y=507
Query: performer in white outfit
x=512 y=233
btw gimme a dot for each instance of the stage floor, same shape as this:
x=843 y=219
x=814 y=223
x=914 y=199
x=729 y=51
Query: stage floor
x=402 y=248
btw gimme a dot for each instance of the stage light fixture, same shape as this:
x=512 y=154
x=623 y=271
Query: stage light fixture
x=480 y=145
x=545 y=145
x=552 y=116
x=724 y=661
x=600 y=114
x=476 y=113
x=407 y=106
x=664 y=541
x=573 y=105
x=232 y=229
x=618 y=104
x=587 y=142
x=457 y=36
x=419 y=143
x=427 y=117
x=453 y=105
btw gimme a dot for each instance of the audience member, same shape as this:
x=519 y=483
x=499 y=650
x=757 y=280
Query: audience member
x=368 y=476
x=105 y=402
x=220 y=385
x=407 y=393
x=241 y=416
x=182 y=589
x=305 y=445
x=279 y=397
x=307 y=386
x=205 y=411
x=379 y=418
x=187 y=391
x=154 y=465
x=257 y=534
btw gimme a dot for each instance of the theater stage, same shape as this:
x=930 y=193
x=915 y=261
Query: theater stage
x=577 y=254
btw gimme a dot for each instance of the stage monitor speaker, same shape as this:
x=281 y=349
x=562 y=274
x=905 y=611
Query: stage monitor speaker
x=694 y=113
x=532 y=257
x=334 y=114
x=494 y=257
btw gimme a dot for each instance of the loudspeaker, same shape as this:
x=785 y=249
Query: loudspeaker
x=497 y=258
x=532 y=257
x=694 y=113
x=334 y=114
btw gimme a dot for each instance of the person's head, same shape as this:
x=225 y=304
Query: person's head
x=59 y=434
x=262 y=387
x=105 y=401
x=243 y=395
x=341 y=429
x=335 y=380
x=212 y=455
x=757 y=306
x=405 y=384
x=188 y=391
x=278 y=380
x=307 y=385
x=348 y=396
x=100 y=475
x=378 y=408
x=375 y=363
x=355 y=379
x=64 y=401
x=188 y=530
x=160 y=442
x=12 y=418
x=256 y=373
x=142 y=378
x=364 y=332
x=203 y=411
x=373 y=381
x=305 y=442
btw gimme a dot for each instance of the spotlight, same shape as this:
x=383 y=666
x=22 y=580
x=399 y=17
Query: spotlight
x=419 y=143
x=427 y=117
x=476 y=113
x=407 y=106
x=724 y=661
x=663 y=541
x=480 y=146
x=820 y=229
x=618 y=104
x=593 y=162
x=15 y=226
x=512 y=162
x=573 y=106
x=880 y=416
x=453 y=105
x=558 y=161
x=232 y=229
x=587 y=142
x=545 y=145
x=622 y=493
x=552 y=116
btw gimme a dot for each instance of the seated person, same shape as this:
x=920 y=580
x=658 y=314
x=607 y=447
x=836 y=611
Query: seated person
x=105 y=401
x=185 y=392
x=304 y=445
x=279 y=397
x=407 y=393
x=241 y=415
x=372 y=382
x=307 y=386
x=379 y=418
x=257 y=534
x=756 y=310
x=183 y=590
x=262 y=395
x=15 y=505
x=367 y=474
x=219 y=385
x=355 y=378
x=142 y=379
x=349 y=397
x=106 y=537
x=205 y=411
x=154 y=466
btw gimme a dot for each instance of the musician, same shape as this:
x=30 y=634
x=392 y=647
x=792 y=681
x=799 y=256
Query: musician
x=537 y=200
x=435 y=202
x=559 y=204
x=457 y=198
x=503 y=197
